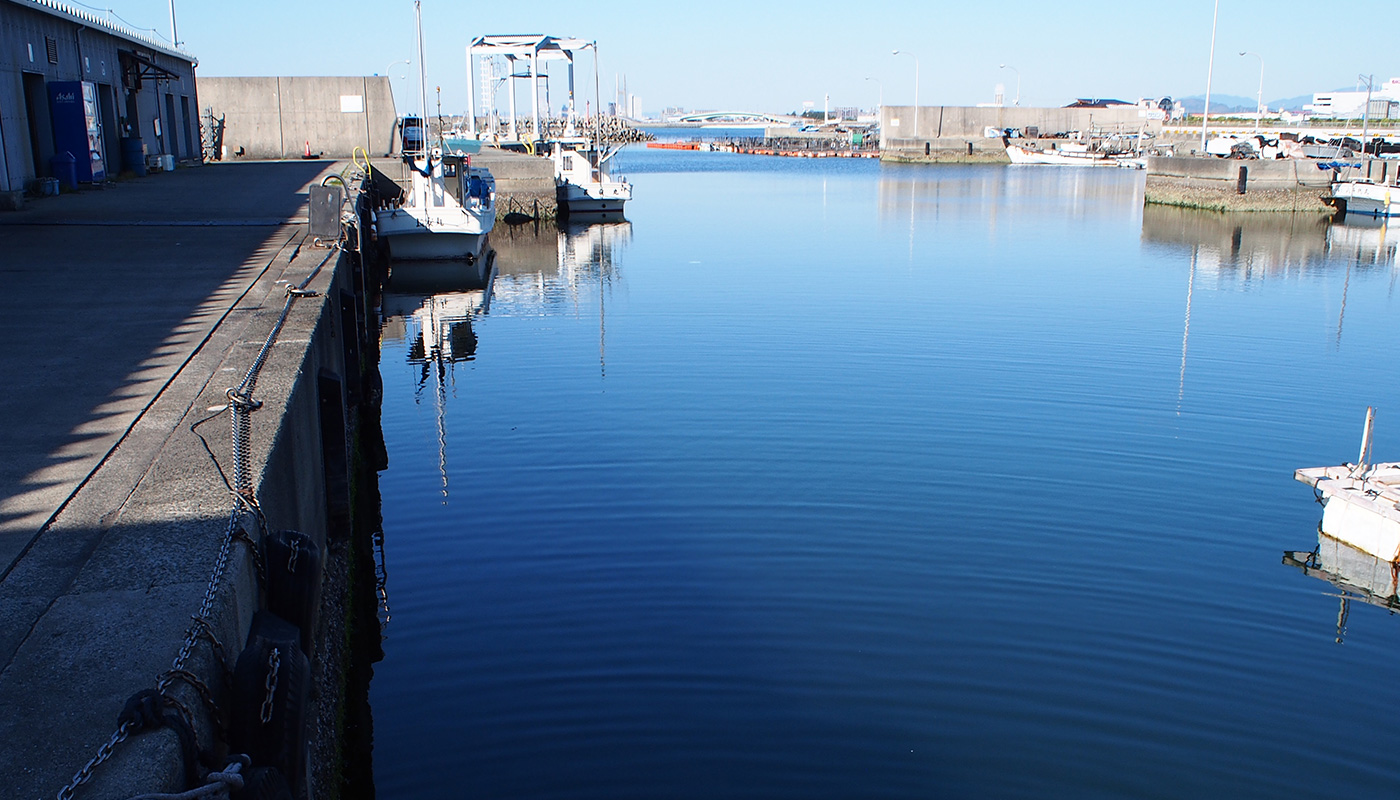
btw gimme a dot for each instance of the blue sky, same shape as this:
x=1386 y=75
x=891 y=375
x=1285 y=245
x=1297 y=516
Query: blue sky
x=774 y=56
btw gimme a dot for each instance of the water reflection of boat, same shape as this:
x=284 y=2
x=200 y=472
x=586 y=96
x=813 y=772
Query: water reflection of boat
x=542 y=269
x=429 y=275
x=1354 y=574
x=438 y=326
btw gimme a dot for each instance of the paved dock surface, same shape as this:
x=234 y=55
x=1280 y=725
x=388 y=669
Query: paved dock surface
x=128 y=311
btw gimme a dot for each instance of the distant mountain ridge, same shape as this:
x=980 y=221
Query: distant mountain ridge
x=1233 y=103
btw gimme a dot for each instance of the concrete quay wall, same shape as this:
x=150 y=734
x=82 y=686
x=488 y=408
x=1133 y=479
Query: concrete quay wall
x=99 y=600
x=280 y=117
x=1290 y=185
x=943 y=133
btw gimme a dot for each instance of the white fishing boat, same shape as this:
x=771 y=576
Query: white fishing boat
x=1362 y=197
x=1097 y=149
x=447 y=212
x=1360 y=501
x=449 y=207
x=1067 y=154
x=584 y=182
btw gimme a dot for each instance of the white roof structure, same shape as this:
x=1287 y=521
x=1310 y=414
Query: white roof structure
x=524 y=50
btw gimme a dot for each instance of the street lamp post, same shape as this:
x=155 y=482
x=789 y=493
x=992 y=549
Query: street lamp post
x=389 y=70
x=881 y=105
x=1018 y=83
x=1210 y=72
x=916 y=88
x=1260 y=99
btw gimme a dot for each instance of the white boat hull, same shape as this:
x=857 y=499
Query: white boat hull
x=1367 y=199
x=1061 y=158
x=1359 y=512
x=444 y=216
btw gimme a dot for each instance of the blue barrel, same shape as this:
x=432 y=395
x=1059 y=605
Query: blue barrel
x=134 y=155
x=65 y=168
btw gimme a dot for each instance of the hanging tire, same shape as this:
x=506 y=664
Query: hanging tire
x=272 y=730
x=263 y=783
x=294 y=570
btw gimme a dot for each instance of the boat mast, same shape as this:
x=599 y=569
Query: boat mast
x=422 y=79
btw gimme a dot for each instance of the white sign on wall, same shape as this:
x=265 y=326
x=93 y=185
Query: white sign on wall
x=352 y=104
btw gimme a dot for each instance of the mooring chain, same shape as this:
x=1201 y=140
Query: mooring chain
x=274 y=662
x=258 y=565
x=202 y=688
x=103 y=753
x=241 y=405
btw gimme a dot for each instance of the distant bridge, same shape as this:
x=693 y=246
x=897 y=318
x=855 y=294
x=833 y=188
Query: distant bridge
x=719 y=117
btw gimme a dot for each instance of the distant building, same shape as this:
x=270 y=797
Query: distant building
x=1385 y=103
x=128 y=86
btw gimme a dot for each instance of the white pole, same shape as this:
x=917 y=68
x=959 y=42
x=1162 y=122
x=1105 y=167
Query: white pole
x=514 y=131
x=471 y=95
x=174 y=37
x=1018 y=83
x=535 y=91
x=1210 y=72
x=916 y=89
x=1259 y=110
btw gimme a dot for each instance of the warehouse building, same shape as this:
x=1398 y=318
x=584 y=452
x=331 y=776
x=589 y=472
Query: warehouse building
x=74 y=81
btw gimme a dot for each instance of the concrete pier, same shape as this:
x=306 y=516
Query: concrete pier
x=1222 y=184
x=130 y=312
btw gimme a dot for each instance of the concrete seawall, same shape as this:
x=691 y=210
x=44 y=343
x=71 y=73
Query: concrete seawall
x=280 y=117
x=1215 y=184
x=104 y=566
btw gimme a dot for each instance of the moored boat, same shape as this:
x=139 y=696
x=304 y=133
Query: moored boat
x=584 y=182
x=450 y=206
x=1362 y=197
x=1359 y=501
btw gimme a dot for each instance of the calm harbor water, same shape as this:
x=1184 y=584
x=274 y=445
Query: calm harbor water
x=826 y=479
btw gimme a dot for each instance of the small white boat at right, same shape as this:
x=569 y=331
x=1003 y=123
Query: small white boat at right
x=1361 y=501
x=584 y=182
x=1362 y=197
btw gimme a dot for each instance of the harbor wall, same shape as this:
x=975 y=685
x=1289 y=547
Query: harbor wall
x=957 y=133
x=1221 y=184
x=313 y=441
x=524 y=183
x=281 y=117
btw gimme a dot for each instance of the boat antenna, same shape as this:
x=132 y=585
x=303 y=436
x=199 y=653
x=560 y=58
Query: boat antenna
x=597 y=101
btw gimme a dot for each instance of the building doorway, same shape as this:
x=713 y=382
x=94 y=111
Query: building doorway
x=172 y=142
x=36 y=108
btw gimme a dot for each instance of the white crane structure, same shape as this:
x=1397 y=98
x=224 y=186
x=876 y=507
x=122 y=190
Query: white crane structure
x=524 y=54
